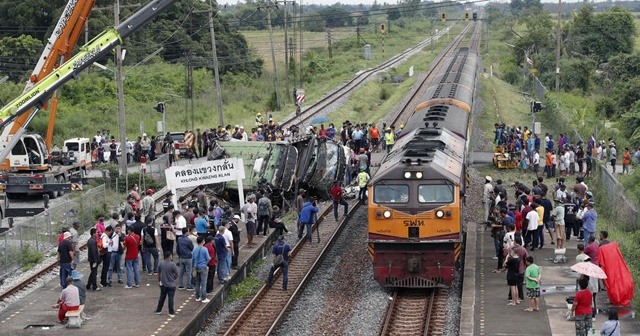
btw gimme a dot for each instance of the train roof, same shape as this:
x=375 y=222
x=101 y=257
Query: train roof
x=445 y=113
x=437 y=152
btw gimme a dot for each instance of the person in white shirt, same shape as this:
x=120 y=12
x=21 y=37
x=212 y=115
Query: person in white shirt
x=536 y=162
x=180 y=221
x=228 y=241
x=532 y=226
x=487 y=196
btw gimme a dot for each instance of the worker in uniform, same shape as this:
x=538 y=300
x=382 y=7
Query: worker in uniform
x=363 y=180
x=389 y=139
x=258 y=119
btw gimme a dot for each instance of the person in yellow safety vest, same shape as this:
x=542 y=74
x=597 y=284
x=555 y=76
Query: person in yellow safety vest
x=259 y=119
x=363 y=180
x=389 y=139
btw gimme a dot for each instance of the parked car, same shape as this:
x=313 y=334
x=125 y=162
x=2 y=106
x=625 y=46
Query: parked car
x=178 y=139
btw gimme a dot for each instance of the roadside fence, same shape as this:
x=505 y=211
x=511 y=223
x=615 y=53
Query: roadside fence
x=31 y=239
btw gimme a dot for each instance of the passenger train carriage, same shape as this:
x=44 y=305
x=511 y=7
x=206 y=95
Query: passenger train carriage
x=416 y=197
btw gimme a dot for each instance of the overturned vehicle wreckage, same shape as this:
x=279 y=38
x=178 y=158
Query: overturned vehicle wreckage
x=308 y=163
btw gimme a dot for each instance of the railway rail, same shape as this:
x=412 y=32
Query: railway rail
x=260 y=316
x=347 y=88
x=416 y=312
x=50 y=268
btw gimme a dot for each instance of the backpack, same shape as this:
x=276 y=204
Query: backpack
x=262 y=209
x=101 y=248
x=147 y=238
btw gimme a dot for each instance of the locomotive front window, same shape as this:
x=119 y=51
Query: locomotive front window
x=435 y=193
x=391 y=193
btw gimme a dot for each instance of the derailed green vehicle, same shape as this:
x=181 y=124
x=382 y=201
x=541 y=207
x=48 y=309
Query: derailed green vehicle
x=308 y=163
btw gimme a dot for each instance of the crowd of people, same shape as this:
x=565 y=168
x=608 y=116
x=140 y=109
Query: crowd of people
x=202 y=234
x=520 y=216
x=563 y=158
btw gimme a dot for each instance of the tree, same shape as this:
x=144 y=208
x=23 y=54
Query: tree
x=538 y=36
x=314 y=22
x=626 y=94
x=18 y=55
x=393 y=13
x=623 y=67
x=517 y=6
x=336 y=16
x=601 y=36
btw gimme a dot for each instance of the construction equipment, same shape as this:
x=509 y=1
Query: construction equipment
x=25 y=162
x=502 y=159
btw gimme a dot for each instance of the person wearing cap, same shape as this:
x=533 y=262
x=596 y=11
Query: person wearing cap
x=589 y=220
x=69 y=299
x=65 y=258
x=75 y=244
x=235 y=233
x=280 y=248
x=337 y=194
x=363 y=180
x=613 y=155
x=145 y=143
x=167 y=201
x=487 y=197
x=363 y=159
x=557 y=215
x=148 y=204
x=150 y=246
x=82 y=289
x=389 y=138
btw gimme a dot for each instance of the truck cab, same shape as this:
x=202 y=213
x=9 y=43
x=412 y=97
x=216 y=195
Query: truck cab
x=76 y=151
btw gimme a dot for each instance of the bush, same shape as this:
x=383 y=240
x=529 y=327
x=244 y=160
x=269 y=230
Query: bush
x=30 y=257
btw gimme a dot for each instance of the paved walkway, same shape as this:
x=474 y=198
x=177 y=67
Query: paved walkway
x=492 y=316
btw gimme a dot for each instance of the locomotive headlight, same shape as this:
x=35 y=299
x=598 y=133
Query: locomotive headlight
x=419 y=174
x=439 y=213
x=387 y=214
x=407 y=175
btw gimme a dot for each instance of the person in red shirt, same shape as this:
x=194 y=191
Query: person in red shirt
x=337 y=196
x=212 y=263
x=374 y=133
x=592 y=250
x=581 y=308
x=131 y=243
x=322 y=132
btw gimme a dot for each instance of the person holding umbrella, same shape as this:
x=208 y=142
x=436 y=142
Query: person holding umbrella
x=590 y=273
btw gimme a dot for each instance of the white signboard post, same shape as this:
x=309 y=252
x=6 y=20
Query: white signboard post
x=207 y=172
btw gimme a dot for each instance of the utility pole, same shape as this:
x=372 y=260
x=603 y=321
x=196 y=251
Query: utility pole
x=292 y=50
x=558 y=44
x=215 y=64
x=301 y=82
x=331 y=50
x=273 y=56
x=286 y=50
x=120 y=82
x=431 y=37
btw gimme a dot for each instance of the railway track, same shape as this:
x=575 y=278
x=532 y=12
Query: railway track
x=347 y=88
x=405 y=112
x=416 y=312
x=269 y=306
x=51 y=267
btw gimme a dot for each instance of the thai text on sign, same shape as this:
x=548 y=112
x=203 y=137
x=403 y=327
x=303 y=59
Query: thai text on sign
x=204 y=173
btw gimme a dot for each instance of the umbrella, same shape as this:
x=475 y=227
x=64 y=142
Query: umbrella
x=318 y=120
x=590 y=269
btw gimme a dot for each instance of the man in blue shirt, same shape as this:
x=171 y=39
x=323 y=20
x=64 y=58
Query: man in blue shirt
x=280 y=248
x=331 y=132
x=221 y=254
x=589 y=220
x=201 y=223
x=200 y=260
x=185 y=246
x=307 y=218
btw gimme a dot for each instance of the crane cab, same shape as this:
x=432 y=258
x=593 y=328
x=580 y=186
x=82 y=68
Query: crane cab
x=30 y=153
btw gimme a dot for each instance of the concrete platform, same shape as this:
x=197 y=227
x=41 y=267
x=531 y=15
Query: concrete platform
x=119 y=311
x=484 y=302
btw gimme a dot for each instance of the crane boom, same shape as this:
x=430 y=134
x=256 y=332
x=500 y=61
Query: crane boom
x=37 y=96
x=59 y=47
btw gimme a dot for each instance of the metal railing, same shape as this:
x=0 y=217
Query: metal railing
x=37 y=237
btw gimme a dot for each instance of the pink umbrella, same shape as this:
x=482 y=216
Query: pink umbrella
x=590 y=269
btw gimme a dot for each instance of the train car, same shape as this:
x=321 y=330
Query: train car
x=416 y=197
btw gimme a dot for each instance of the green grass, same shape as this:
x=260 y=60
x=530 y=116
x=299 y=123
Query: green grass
x=248 y=287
